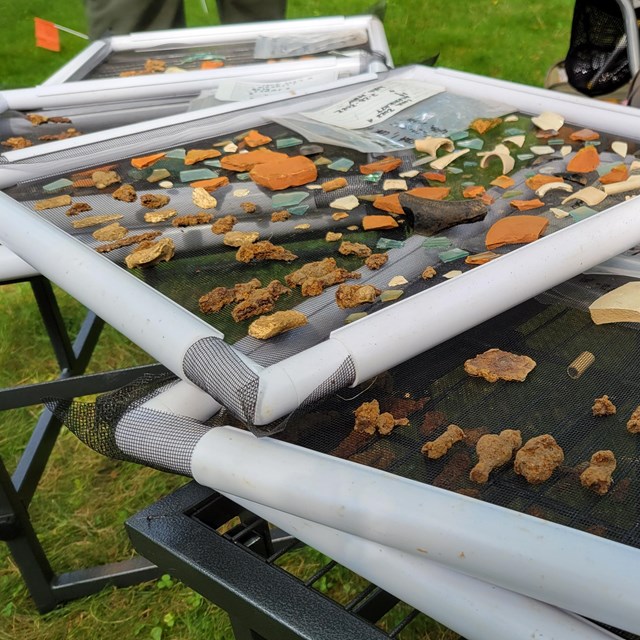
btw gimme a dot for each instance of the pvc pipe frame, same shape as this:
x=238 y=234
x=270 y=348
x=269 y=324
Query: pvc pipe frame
x=374 y=343
x=14 y=268
x=471 y=607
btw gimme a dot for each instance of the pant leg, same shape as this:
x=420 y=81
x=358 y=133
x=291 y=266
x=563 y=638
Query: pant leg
x=234 y=11
x=115 y=17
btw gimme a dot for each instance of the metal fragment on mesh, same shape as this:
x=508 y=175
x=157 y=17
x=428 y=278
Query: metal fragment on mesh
x=238 y=238
x=495 y=364
x=111 y=232
x=149 y=253
x=202 y=199
x=92 y=221
x=159 y=216
x=53 y=203
x=103 y=179
x=580 y=364
x=267 y=327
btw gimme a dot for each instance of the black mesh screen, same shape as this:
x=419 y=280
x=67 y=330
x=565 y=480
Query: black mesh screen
x=597 y=62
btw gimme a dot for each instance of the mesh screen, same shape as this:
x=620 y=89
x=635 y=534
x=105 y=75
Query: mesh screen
x=433 y=390
x=597 y=62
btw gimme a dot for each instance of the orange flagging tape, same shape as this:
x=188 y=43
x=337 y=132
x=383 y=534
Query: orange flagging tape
x=47 y=35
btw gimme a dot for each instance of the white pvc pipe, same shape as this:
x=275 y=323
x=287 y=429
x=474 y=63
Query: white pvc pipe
x=14 y=268
x=569 y=569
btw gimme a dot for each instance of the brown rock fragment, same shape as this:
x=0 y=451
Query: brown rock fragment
x=259 y=301
x=597 y=476
x=538 y=459
x=633 y=424
x=78 y=207
x=437 y=448
x=103 y=179
x=110 y=233
x=152 y=201
x=376 y=260
x=495 y=364
x=127 y=241
x=159 y=216
x=493 y=452
x=281 y=174
x=428 y=273
x=349 y=296
x=52 y=203
x=280 y=216
x=357 y=249
x=16 y=142
x=149 y=253
x=125 y=193
x=224 y=225
x=370 y=420
x=192 y=220
x=603 y=407
x=238 y=238
x=267 y=327
x=264 y=250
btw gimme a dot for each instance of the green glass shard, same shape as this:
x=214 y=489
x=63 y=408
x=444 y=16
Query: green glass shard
x=391 y=294
x=467 y=183
x=57 y=184
x=341 y=164
x=605 y=167
x=374 y=177
x=580 y=213
x=469 y=163
x=458 y=135
x=321 y=161
x=513 y=131
x=436 y=242
x=243 y=176
x=213 y=163
x=511 y=194
x=298 y=210
x=283 y=200
x=352 y=317
x=176 y=153
x=284 y=143
x=556 y=142
x=158 y=174
x=525 y=156
x=388 y=243
x=454 y=170
x=196 y=57
x=453 y=254
x=592 y=143
x=472 y=143
x=196 y=174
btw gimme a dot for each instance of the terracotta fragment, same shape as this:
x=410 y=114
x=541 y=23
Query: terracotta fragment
x=211 y=64
x=243 y=162
x=269 y=326
x=149 y=253
x=92 y=221
x=128 y=241
x=223 y=225
x=494 y=451
x=597 y=476
x=263 y=250
x=349 y=296
x=256 y=139
x=192 y=220
x=146 y=161
x=430 y=193
x=538 y=459
x=238 y=238
x=111 y=232
x=210 y=184
x=332 y=185
x=585 y=160
x=504 y=182
x=376 y=260
x=482 y=125
x=617 y=174
x=390 y=203
x=526 y=205
x=473 y=191
x=103 y=179
x=515 y=230
x=78 y=207
x=495 y=364
x=481 y=258
x=291 y=171
x=52 y=203
x=385 y=165
x=584 y=135
x=357 y=249
x=125 y=193
x=437 y=448
x=152 y=201
x=603 y=407
x=159 y=216
x=198 y=155
x=370 y=223
x=435 y=177
x=535 y=182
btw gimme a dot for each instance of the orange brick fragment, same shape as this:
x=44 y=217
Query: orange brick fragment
x=584 y=135
x=385 y=165
x=435 y=177
x=83 y=182
x=617 y=174
x=198 y=155
x=515 y=230
x=586 y=160
x=332 y=185
x=242 y=162
x=89 y=172
x=487 y=199
x=256 y=139
x=211 y=64
x=146 y=161
x=473 y=191
x=369 y=223
x=526 y=205
x=482 y=125
x=390 y=203
x=210 y=184
x=430 y=193
x=535 y=182
x=504 y=182
x=283 y=173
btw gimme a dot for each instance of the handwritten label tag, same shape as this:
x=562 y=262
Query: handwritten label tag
x=375 y=104
x=234 y=90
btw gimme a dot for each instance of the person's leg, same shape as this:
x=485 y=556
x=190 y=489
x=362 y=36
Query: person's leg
x=234 y=11
x=114 y=17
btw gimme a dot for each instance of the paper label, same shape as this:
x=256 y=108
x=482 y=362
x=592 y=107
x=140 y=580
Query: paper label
x=375 y=104
x=235 y=90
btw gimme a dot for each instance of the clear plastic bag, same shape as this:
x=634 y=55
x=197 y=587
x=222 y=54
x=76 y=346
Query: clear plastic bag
x=290 y=46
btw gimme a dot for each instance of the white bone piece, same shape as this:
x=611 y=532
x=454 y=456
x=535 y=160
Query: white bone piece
x=550 y=186
x=589 y=195
x=548 y=120
x=620 y=148
x=431 y=145
x=507 y=161
x=559 y=213
x=565 y=150
x=445 y=161
x=394 y=185
x=346 y=202
x=397 y=281
x=412 y=173
x=622 y=187
x=542 y=150
x=517 y=140
x=511 y=118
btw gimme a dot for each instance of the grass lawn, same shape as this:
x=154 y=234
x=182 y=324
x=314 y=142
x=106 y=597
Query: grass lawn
x=84 y=498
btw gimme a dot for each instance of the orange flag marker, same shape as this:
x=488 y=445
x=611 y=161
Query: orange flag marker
x=47 y=35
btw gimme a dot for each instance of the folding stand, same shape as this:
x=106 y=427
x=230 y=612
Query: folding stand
x=46 y=588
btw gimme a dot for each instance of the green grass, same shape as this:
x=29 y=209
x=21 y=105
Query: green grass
x=84 y=498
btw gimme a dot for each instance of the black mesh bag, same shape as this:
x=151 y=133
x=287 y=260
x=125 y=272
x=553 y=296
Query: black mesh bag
x=597 y=62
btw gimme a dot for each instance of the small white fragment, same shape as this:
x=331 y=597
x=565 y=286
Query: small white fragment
x=165 y=184
x=635 y=166
x=304 y=225
x=511 y=118
x=629 y=184
x=517 y=140
x=548 y=120
x=241 y=193
x=431 y=145
x=421 y=161
x=203 y=199
x=346 y=202
x=565 y=150
x=397 y=281
x=412 y=173
x=620 y=148
x=394 y=185
x=230 y=148
x=559 y=213
x=452 y=274
x=589 y=195
x=550 y=186
x=313 y=187
x=501 y=152
x=542 y=150
x=445 y=161
x=174 y=70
